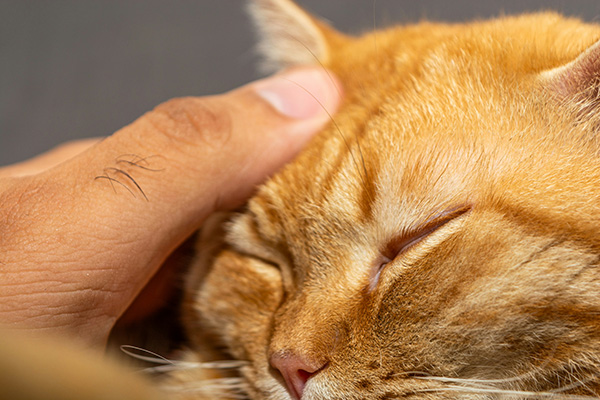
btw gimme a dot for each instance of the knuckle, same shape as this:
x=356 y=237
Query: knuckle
x=194 y=121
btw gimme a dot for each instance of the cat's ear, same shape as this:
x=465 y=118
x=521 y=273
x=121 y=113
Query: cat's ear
x=577 y=83
x=289 y=35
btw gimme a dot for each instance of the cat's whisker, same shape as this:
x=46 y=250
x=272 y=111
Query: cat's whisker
x=172 y=365
x=473 y=381
x=151 y=357
x=488 y=386
x=571 y=386
x=183 y=365
x=577 y=384
x=234 y=388
x=528 y=394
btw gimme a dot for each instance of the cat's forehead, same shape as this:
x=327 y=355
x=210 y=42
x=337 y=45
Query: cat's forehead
x=485 y=50
x=435 y=117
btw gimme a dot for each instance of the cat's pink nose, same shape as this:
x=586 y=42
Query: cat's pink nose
x=296 y=371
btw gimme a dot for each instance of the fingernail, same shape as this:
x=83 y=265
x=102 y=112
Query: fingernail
x=306 y=93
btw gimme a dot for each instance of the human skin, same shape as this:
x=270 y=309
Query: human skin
x=84 y=227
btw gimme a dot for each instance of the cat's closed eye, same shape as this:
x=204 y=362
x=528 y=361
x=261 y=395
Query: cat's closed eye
x=398 y=248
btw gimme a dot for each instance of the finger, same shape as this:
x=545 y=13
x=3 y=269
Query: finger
x=96 y=227
x=49 y=159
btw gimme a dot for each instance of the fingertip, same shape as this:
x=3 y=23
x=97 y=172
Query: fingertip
x=275 y=118
x=307 y=93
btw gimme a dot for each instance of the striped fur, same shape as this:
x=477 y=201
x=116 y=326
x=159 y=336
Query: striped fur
x=440 y=238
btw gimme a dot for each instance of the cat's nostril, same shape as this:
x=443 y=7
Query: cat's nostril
x=296 y=371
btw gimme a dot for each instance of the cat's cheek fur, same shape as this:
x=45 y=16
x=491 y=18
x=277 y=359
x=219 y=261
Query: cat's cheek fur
x=234 y=309
x=240 y=299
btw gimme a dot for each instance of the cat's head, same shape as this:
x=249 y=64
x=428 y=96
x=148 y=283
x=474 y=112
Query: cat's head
x=440 y=238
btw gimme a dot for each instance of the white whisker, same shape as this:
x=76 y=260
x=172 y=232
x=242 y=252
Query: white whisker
x=151 y=357
x=473 y=381
x=510 y=392
x=234 y=388
x=487 y=386
x=167 y=365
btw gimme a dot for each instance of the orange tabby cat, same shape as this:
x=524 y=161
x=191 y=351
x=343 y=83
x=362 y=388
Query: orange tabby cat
x=438 y=240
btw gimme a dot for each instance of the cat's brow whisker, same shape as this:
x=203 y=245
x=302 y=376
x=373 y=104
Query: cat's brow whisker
x=335 y=124
x=314 y=56
x=375 y=39
x=318 y=61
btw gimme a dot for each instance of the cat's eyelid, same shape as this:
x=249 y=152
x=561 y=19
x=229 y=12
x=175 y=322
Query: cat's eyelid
x=403 y=242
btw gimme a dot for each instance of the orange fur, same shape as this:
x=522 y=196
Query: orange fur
x=439 y=238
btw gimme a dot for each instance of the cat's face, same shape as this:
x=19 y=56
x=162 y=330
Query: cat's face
x=439 y=239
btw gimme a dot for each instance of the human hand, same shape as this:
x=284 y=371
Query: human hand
x=84 y=227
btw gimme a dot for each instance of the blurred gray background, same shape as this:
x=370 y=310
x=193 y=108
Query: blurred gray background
x=80 y=68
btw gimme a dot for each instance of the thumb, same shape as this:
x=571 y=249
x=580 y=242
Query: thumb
x=100 y=224
x=190 y=156
x=244 y=136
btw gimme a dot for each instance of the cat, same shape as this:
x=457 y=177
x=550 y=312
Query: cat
x=438 y=240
